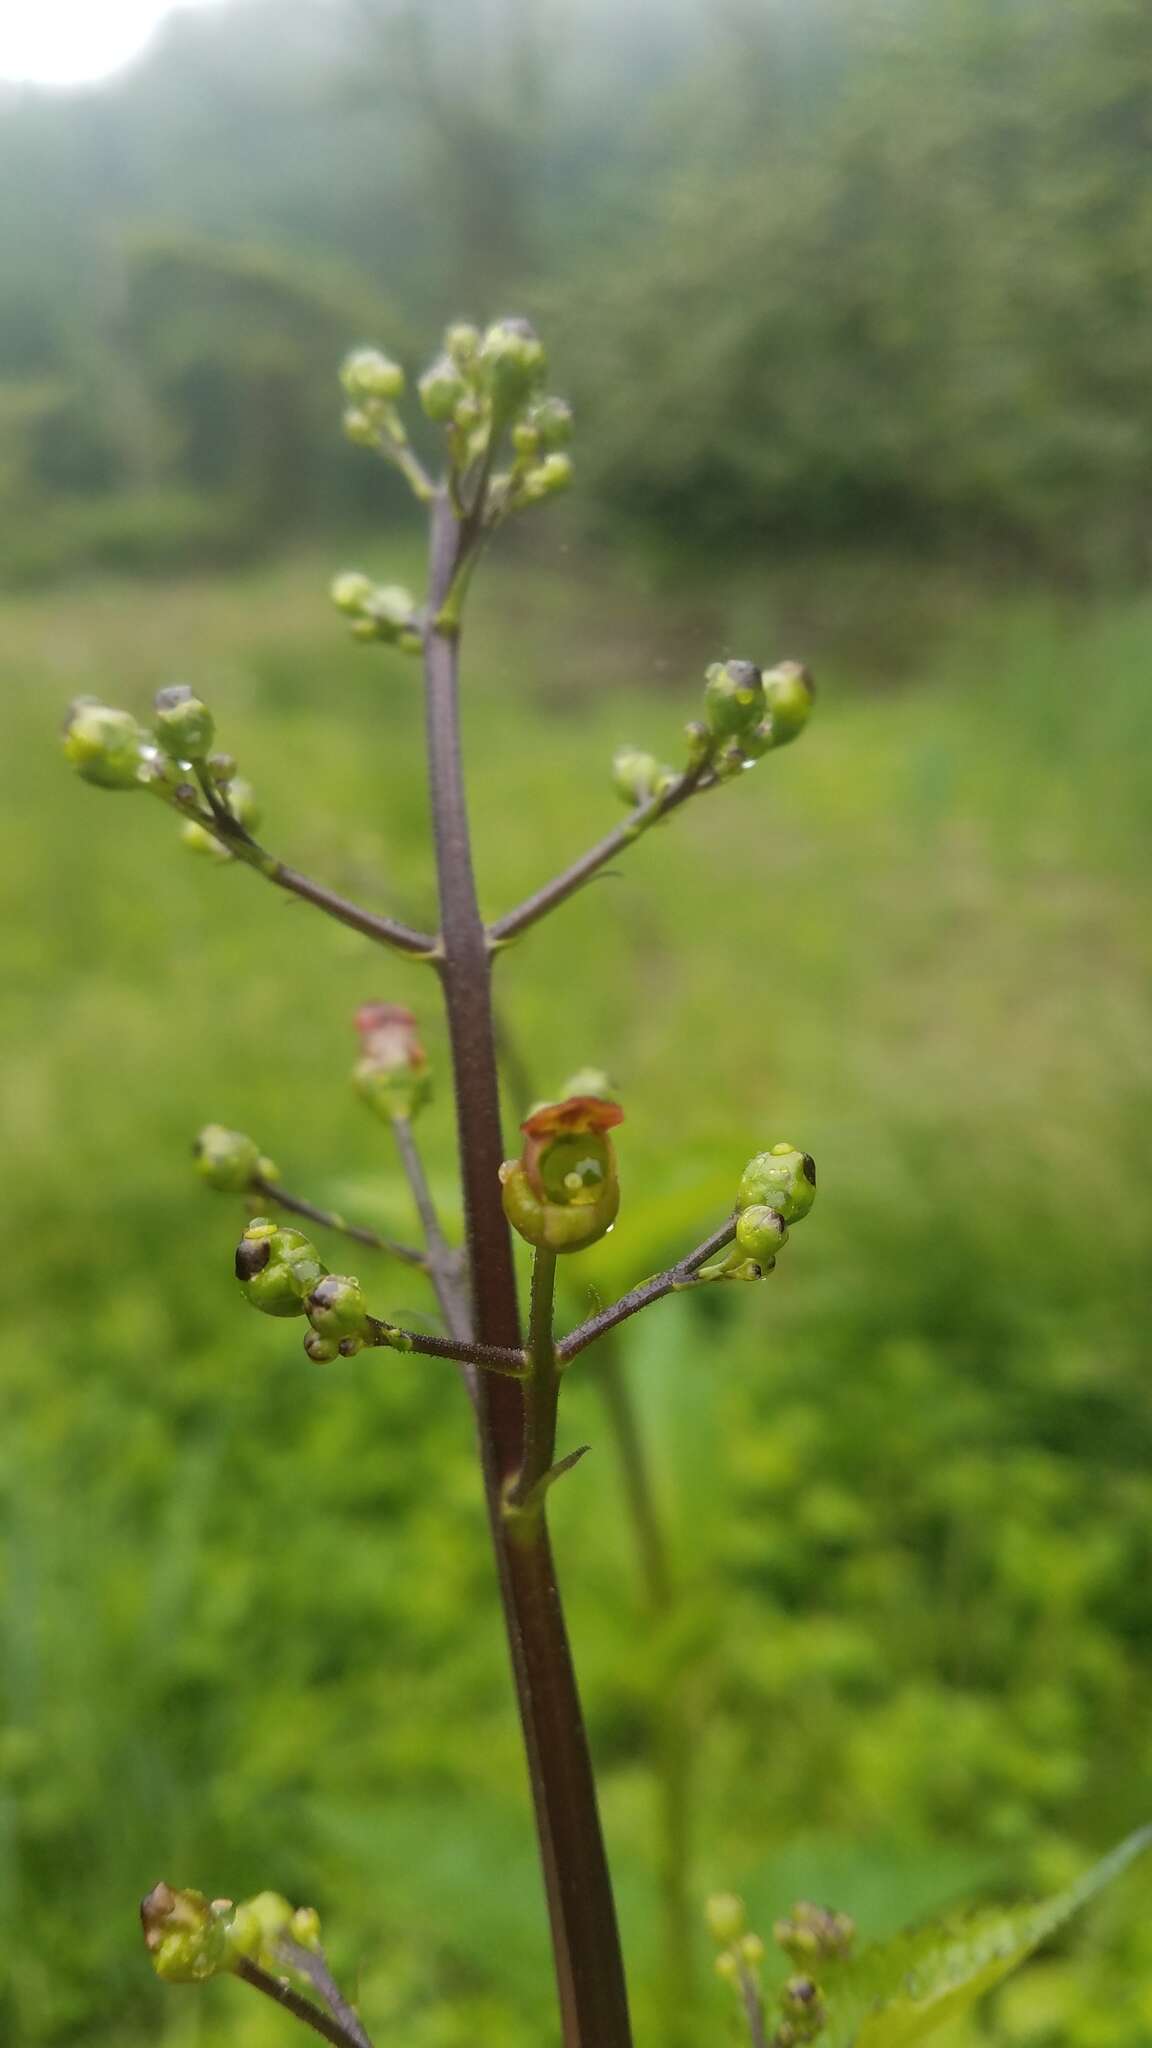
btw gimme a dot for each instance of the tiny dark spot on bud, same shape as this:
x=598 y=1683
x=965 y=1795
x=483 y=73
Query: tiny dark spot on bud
x=744 y=674
x=322 y=1293
x=809 y=1169
x=252 y=1258
x=348 y=1347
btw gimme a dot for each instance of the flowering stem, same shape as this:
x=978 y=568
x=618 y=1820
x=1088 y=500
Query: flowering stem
x=499 y=1358
x=586 y=1946
x=313 y=1964
x=691 y=783
x=387 y=931
x=301 y=2008
x=673 y=1281
x=445 y=1266
x=271 y=1191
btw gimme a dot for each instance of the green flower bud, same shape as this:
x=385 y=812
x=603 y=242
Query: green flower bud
x=551 y=421
x=367 y=373
x=760 y=1233
x=188 y=1939
x=222 y=769
x=729 y=761
x=230 y=1161
x=462 y=344
x=636 y=774
x=725 y=1918
x=321 y=1350
x=783 y=1179
x=469 y=413
x=277 y=1269
x=513 y=362
x=391 y=609
x=788 y=695
x=105 y=746
x=184 y=727
x=441 y=389
x=733 y=697
x=361 y=428
x=337 y=1309
x=350 y=590
x=198 y=839
x=392 y=1074
x=563 y=1191
x=304 y=1927
x=700 y=743
x=243 y=804
x=752 y=1951
x=552 y=475
x=525 y=439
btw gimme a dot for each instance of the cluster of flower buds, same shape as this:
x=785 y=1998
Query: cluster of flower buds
x=281 y=1273
x=382 y=612
x=810 y=1935
x=392 y=1073
x=777 y=1189
x=739 y=1953
x=174 y=759
x=230 y=1161
x=563 y=1192
x=372 y=383
x=485 y=384
x=748 y=711
x=191 y=1938
x=804 y=2013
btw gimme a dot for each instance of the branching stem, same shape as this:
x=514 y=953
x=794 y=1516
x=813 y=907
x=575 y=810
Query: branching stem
x=674 y=1281
x=445 y=1267
x=509 y=1360
x=270 y=1191
x=542 y=1389
x=325 y=2024
x=692 y=783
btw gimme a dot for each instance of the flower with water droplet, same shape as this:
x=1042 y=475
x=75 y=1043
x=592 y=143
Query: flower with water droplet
x=563 y=1191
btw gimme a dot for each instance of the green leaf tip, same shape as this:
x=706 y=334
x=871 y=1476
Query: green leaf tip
x=896 y=1993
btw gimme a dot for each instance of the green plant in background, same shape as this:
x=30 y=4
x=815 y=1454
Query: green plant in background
x=505 y=443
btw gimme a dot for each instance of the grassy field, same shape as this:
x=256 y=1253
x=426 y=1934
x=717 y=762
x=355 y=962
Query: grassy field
x=247 y=1630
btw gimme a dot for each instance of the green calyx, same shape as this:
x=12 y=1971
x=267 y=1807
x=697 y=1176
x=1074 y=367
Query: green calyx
x=561 y=1226
x=185 y=728
x=105 y=746
x=230 y=1161
x=783 y=1179
x=400 y=1091
x=277 y=1269
x=383 y=612
x=809 y=1934
x=733 y=698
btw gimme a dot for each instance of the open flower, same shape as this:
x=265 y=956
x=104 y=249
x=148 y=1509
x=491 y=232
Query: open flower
x=563 y=1192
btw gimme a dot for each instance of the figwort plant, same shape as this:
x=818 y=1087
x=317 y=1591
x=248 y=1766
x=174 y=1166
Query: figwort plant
x=505 y=445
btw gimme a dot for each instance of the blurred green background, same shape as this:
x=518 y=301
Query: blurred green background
x=854 y=303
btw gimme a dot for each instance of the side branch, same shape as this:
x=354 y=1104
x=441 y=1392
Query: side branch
x=301 y=2008
x=506 y=1359
x=238 y=841
x=692 y=783
x=677 y=1278
x=271 y=1191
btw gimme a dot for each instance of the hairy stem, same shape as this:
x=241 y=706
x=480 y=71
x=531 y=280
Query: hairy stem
x=499 y=1358
x=586 y=1947
x=271 y=1191
x=325 y=2024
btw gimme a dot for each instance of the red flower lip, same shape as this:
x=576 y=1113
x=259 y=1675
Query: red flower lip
x=578 y=1113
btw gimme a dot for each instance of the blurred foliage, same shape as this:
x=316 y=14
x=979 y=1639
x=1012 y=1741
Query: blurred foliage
x=248 y=1634
x=827 y=274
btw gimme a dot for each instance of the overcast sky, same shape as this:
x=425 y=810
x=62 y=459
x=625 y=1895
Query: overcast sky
x=62 y=42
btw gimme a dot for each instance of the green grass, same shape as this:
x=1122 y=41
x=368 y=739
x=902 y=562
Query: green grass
x=247 y=1629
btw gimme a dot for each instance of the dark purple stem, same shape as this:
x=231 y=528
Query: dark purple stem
x=678 y=1276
